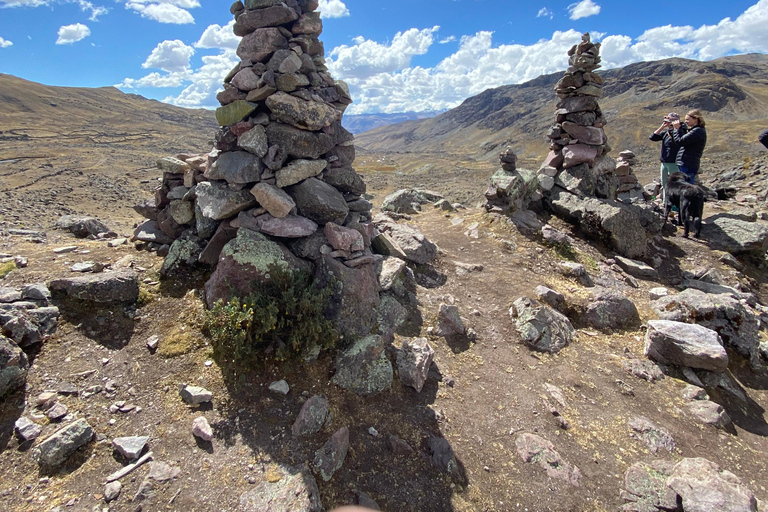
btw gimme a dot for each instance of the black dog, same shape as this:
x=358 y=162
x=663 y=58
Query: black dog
x=689 y=200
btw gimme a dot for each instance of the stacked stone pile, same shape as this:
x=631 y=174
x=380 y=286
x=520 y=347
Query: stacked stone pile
x=628 y=185
x=278 y=188
x=578 y=143
x=511 y=188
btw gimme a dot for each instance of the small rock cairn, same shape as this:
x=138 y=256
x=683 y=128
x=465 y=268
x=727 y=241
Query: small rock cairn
x=578 y=158
x=510 y=188
x=629 y=187
x=282 y=162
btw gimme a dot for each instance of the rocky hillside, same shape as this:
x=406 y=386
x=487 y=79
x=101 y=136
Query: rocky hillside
x=731 y=91
x=364 y=122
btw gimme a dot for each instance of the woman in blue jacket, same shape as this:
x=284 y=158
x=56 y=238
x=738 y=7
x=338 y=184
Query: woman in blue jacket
x=691 y=143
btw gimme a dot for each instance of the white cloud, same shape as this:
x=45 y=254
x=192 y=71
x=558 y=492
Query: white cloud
x=4 y=43
x=545 y=13
x=23 y=3
x=583 y=9
x=171 y=56
x=332 y=9
x=366 y=57
x=382 y=79
x=216 y=36
x=96 y=11
x=164 y=11
x=448 y=39
x=69 y=34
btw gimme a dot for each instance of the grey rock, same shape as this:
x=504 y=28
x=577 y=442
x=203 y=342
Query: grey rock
x=116 y=286
x=527 y=220
x=555 y=237
x=130 y=447
x=646 y=488
x=172 y=165
x=637 y=268
x=391 y=270
x=413 y=361
x=56 y=449
x=194 y=395
x=254 y=141
x=704 y=487
x=149 y=231
x=449 y=321
x=201 y=429
x=87 y=266
x=82 y=227
x=402 y=201
x=13 y=366
x=280 y=387
x=291 y=226
x=182 y=212
x=682 y=344
x=709 y=413
x=184 y=252
x=36 y=291
x=296 y=490
x=112 y=491
x=736 y=324
x=658 y=292
x=409 y=241
x=330 y=457
x=276 y=201
x=364 y=367
x=299 y=143
x=162 y=472
x=609 y=309
x=9 y=295
x=258 y=45
x=217 y=201
x=734 y=235
x=535 y=449
x=299 y=170
x=717 y=289
x=346 y=180
x=576 y=271
x=541 y=327
x=319 y=201
x=643 y=369
x=311 y=417
x=442 y=457
x=306 y=115
x=691 y=393
x=550 y=297
x=657 y=438
x=57 y=411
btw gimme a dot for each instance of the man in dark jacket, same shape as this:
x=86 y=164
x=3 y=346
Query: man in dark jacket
x=763 y=138
x=669 y=148
x=691 y=143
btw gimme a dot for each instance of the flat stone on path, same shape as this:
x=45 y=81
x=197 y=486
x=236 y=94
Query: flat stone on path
x=112 y=491
x=194 y=395
x=330 y=457
x=533 y=448
x=280 y=387
x=130 y=447
x=704 y=487
x=117 y=286
x=709 y=413
x=291 y=489
x=637 y=269
x=201 y=429
x=311 y=417
x=655 y=437
x=56 y=449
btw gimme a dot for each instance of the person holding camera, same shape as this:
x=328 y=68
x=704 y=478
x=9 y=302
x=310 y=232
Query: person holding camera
x=669 y=149
x=691 y=143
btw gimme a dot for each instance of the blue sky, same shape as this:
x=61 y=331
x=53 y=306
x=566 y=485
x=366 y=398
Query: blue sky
x=396 y=55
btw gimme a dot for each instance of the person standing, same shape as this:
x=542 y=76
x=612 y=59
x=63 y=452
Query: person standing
x=691 y=143
x=763 y=138
x=669 y=149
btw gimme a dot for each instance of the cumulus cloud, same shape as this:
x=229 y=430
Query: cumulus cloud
x=545 y=13
x=583 y=9
x=96 y=11
x=332 y=9
x=69 y=34
x=4 y=43
x=382 y=78
x=216 y=36
x=164 y=11
x=448 y=39
x=171 y=56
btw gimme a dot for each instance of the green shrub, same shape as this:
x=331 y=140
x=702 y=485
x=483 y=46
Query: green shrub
x=5 y=268
x=285 y=314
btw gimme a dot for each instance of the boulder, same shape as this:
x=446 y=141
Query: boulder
x=512 y=190
x=13 y=366
x=682 y=344
x=116 y=286
x=735 y=236
x=217 y=201
x=82 y=227
x=646 y=487
x=298 y=143
x=541 y=327
x=407 y=240
x=364 y=367
x=345 y=179
x=709 y=413
x=184 y=252
x=449 y=321
x=736 y=324
x=149 y=231
x=245 y=262
x=56 y=449
x=704 y=487
x=292 y=488
x=236 y=167
x=576 y=154
x=272 y=16
x=254 y=141
x=578 y=179
x=234 y=112
x=609 y=309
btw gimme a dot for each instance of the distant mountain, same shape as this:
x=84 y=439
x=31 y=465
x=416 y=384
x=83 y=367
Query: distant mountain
x=364 y=122
x=732 y=92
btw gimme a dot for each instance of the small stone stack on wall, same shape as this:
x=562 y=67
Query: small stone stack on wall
x=511 y=188
x=279 y=187
x=629 y=187
x=578 y=143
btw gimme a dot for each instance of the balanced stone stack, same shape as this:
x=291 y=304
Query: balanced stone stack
x=629 y=187
x=278 y=187
x=510 y=188
x=578 y=143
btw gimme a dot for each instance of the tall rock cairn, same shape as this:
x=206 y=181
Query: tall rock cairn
x=279 y=183
x=578 y=158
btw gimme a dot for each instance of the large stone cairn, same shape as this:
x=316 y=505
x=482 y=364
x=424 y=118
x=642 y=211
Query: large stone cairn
x=279 y=186
x=578 y=158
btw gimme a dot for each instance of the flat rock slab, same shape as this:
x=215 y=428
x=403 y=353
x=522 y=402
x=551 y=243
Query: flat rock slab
x=704 y=487
x=682 y=344
x=130 y=447
x=536 y=449
x=312 y=416
x=330 y=457
x=288 y=488
x=637 y=269
x=55 y=450
x=735 y=236
x=646 y=487
x=117 y=286
x=709 y=413
x=655 y=437
x=194 y=395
